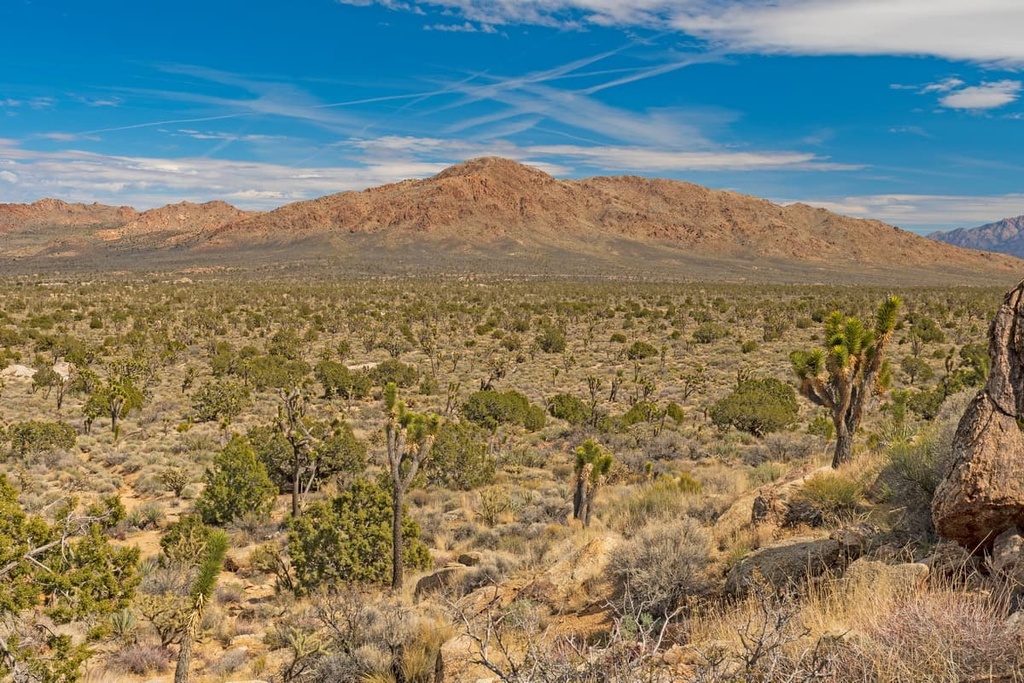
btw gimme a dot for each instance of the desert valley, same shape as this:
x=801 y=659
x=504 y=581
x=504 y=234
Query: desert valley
x=495 y=426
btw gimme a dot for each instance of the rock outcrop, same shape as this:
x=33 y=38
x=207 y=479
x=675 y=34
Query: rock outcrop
x=981 y=494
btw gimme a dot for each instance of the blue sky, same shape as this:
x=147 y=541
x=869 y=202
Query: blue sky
x=908 y=111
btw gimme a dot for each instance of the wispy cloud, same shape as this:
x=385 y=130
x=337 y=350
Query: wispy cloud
x=638 y=159
x=31 y=103
x=465 y=27
x=922 y=213
x=982 y=31
x=147 y=181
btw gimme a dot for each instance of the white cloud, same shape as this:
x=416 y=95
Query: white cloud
x=956 y=94
x=923 y=212
x=984 y=96
x=636 y=159
x=145 y=182
x=984 y=31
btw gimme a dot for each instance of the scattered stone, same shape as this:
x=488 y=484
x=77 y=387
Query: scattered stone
x=857 y=538
x=981 y=494
x=63 y=368
x=802 y=513
x=1007 y=558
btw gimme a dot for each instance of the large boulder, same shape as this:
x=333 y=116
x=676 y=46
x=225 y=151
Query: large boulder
x=981 y=493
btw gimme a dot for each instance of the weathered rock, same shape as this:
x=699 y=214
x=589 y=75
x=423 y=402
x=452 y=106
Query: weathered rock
x=856 y=539
x=443 y=579
x=1007 y=551
x=768 y=509
x=18 y=372
x=789 y=563
x=470 y=559
x=1007 y=558
x=950 y=563
x=903 y=578
x=981 y=494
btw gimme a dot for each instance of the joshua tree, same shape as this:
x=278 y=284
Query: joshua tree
x=409 y=438
x=592 y=463
x=199 y=596
x=851 y=367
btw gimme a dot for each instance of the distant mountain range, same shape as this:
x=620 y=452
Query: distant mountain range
x=1004 y=237
x=497 y=215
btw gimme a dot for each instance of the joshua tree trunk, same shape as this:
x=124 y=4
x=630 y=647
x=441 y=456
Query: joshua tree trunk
x=397 y=575
x=844 y=446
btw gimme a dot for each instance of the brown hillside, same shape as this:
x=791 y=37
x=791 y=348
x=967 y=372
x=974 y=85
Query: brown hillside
x=53 y=213
x=485 y=200
x=173 y=224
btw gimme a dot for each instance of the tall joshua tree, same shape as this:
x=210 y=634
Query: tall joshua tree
x=850 y=368
x=409 y=438
x=199 y=596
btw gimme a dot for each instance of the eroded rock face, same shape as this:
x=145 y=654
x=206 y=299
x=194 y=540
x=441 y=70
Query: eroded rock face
x=981 y=494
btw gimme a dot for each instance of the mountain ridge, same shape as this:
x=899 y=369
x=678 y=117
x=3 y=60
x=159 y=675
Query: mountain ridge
x=496 y=213
x=1005 y=236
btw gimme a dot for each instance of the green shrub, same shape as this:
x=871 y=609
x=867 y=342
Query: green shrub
x=459 y=459
x=641 y=350
x=748 y=346
x=765 y=473
x=219 y=400
x=757 y=406
x=237 y=484
x=551 y=339
x=491 y=409
x=338 y=380
x=184 y=542
x=394 y=372
x=348 y=539
x=641 y=411
x=36 y=436
x=569 y=408
x=274 y=372
x=708 y=332
x=688 y=484
x=617 y=338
